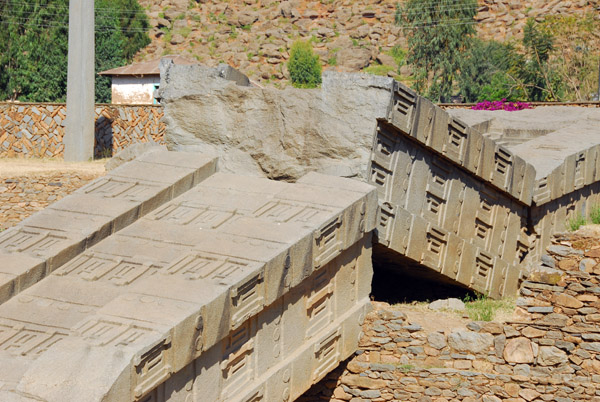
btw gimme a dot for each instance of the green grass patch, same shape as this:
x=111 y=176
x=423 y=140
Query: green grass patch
x=185 y=32
x=379 y=69
x=483 y=308
x=575 y=222
x=595 y=215
x=398 y=54
x=405 y=368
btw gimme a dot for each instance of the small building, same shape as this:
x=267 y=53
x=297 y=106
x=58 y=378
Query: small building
x=135 y=83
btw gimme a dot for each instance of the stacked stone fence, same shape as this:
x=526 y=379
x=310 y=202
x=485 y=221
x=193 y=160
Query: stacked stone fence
x=36 y=130
x=548 y=351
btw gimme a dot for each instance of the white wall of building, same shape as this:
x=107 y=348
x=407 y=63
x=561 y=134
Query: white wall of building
x=134 y=90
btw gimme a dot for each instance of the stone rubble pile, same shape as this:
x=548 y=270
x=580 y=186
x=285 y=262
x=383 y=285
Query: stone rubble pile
x=548 y=351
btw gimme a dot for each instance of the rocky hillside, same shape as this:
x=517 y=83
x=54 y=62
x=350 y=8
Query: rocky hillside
x=351 y=35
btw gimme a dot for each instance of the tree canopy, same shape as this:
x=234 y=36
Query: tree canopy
x=34 y=46
x=438 y=32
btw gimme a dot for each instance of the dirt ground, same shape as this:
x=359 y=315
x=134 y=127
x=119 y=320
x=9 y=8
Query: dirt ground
x=24 y=167
x=30 y=185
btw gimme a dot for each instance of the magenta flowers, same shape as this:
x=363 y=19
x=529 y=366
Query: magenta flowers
x=502 y=105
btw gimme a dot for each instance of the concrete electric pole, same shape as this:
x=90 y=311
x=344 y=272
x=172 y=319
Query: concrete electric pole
x=79 y=135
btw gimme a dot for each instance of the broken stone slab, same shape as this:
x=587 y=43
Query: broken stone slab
x=445 y=218
x=45 y=241
x=172 y=298
x=420 y=119
x=280 y=134
x=565 y=160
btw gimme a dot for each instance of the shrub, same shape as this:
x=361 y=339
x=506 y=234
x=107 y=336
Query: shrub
x=304 y=66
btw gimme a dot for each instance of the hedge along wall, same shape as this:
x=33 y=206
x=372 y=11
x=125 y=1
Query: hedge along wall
x=36 y=130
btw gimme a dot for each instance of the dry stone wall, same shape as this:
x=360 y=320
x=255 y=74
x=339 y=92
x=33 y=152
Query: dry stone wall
x=36 y=130
x=21 y=196
x=548 y=351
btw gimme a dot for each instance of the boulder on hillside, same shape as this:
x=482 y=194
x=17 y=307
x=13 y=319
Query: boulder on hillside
x=353 y=59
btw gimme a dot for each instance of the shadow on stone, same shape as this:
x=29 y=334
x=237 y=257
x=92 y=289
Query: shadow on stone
x=397 y=279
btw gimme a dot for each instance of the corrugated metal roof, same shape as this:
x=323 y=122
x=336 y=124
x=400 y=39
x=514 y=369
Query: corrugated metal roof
x=147 y=67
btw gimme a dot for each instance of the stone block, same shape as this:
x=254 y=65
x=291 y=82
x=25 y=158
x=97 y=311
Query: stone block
x=404 y=108
x=241 y=304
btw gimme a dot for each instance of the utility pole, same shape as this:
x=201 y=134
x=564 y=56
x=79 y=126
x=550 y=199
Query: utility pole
x=598 y=95
x=79 y=135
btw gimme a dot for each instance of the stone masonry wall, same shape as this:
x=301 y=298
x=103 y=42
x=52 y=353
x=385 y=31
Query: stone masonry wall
x=550 y=351
x=29 y=130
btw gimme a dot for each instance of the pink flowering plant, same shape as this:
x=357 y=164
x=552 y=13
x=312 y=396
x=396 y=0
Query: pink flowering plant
x=502 y=105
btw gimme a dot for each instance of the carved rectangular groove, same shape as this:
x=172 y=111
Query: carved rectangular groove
x=152 y=368
x=386 y=223
x=103 y=332
x=247 y=300
x=328 y=242
x=319 y=309
x=455 y=146
x=28 y=340
x=326 y=355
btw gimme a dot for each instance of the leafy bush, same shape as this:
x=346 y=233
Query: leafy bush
x=34 y=46
x=304 y=66
x=575 y=59
x=541 y=82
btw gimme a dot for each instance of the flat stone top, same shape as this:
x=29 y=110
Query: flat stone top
x=549 y=134
x=549 y=151
x=221 y=251
x=549 y=118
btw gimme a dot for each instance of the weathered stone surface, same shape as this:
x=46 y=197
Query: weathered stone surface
x=448 y=304
x=132 y=152
x=468 y=341
x=45 y=241
x=289 y=133
x=566 y=300
x=363 y=382
x=551 y=356
x=518 y=350
x=353 y=59
x=437 y=340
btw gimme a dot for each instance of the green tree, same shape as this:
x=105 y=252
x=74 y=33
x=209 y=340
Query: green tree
x=489 y=71
x=34 y=46
x=540 y=81
x=438 y=33
x=304 y=66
